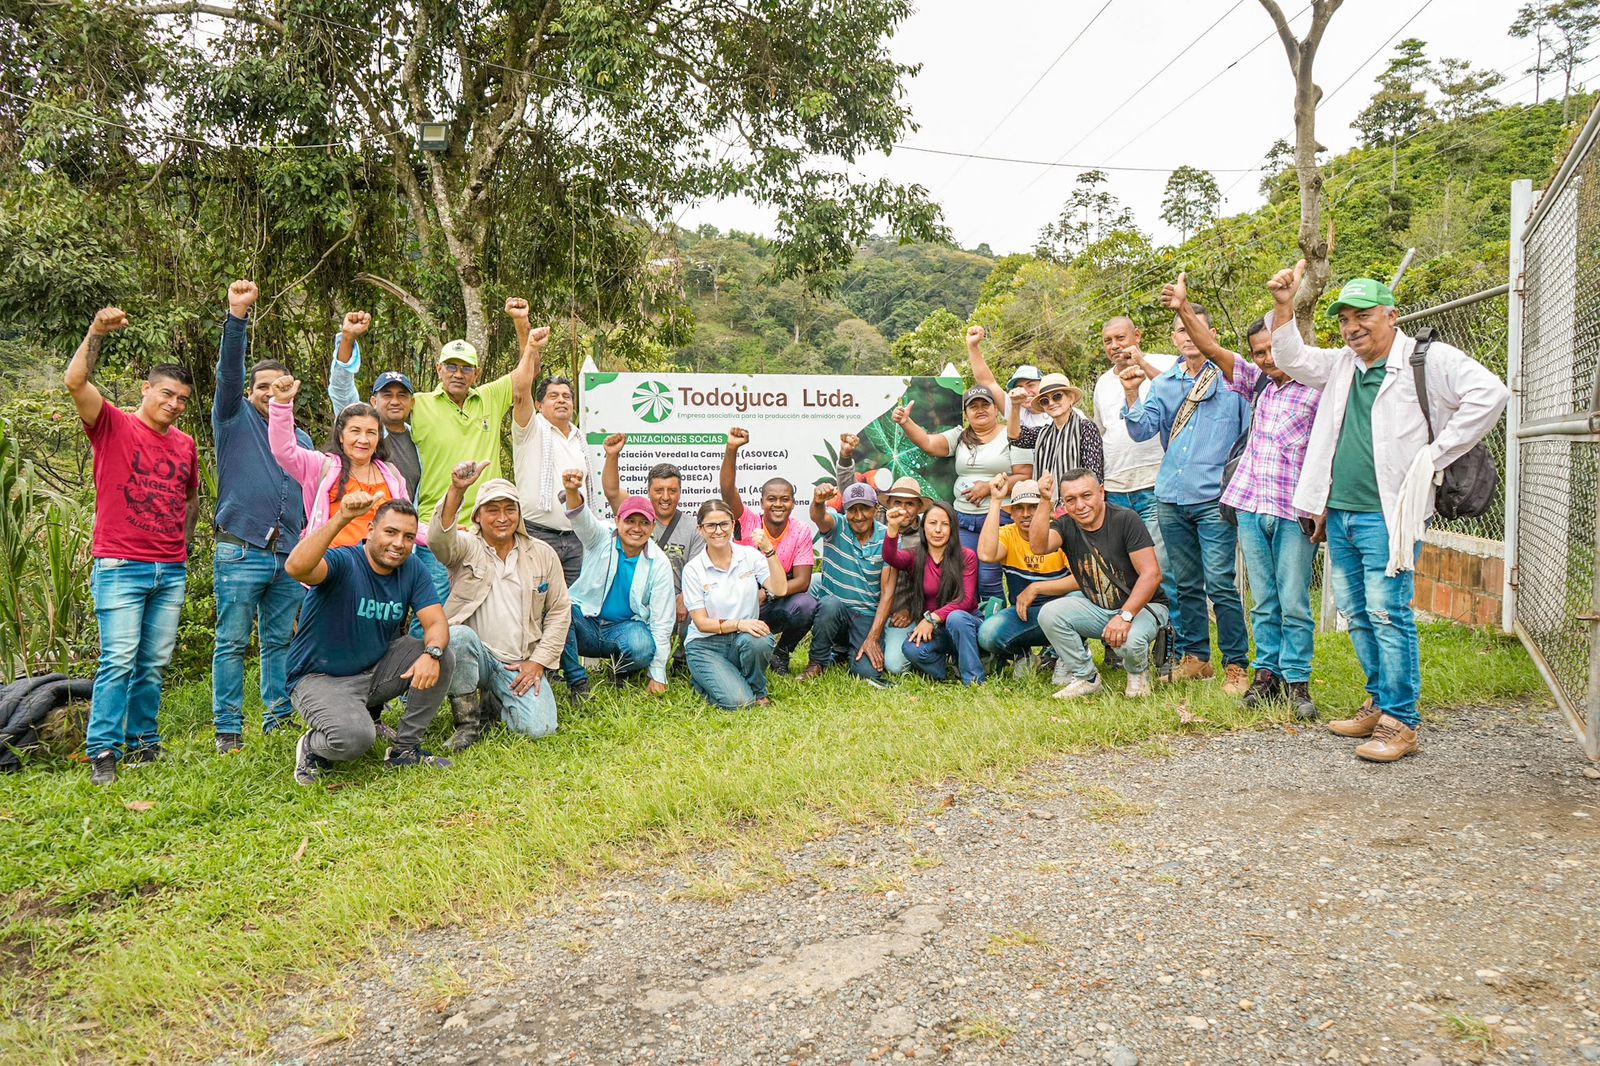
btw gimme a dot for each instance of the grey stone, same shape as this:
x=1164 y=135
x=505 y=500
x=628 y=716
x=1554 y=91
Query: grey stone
x=1590 y=1052
x=892 y=1023
x=1120 y=1056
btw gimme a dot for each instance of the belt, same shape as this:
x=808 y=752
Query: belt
x=552 y=532
x=224 y=537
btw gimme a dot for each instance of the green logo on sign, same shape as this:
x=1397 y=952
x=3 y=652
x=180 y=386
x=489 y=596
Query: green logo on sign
x=652 y=401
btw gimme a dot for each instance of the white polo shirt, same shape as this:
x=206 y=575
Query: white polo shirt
x=723 y=594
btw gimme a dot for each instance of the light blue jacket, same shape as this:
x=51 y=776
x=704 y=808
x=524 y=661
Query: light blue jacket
x=652 y=599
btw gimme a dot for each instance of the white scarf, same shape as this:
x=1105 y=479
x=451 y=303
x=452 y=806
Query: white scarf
x=547 y=465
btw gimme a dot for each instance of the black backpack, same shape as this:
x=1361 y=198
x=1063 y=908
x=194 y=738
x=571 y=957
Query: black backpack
x=1469 y=485
x=1230 y=515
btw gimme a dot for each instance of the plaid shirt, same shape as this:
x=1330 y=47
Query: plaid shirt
x=1269 y=470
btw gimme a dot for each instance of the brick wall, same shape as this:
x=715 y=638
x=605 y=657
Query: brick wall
x=1460 y=578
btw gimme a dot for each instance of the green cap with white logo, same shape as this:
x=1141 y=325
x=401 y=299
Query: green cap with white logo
x=1360 y=293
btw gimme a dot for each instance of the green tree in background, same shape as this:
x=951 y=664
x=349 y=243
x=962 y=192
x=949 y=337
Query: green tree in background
x=1399 y=107
x=1562 y=31
x=1191 y=199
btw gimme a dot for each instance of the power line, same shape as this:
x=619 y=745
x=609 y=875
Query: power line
x=1042 y=163
x=1425 y=5
x=1160 y=70
x=1029 y=91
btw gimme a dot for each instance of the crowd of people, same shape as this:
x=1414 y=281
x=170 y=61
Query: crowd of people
x=397 y=563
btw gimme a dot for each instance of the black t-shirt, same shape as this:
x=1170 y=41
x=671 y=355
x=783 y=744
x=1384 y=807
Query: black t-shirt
x=1101 y=561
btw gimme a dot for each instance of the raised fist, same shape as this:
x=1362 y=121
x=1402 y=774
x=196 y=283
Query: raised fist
x=355 y=504
x=613 y=444
x=572 y=481
x=848 y=443
x=356 y=323
x=285 y=387
x=1019 y=397
x=241 y=296
x=1047 y=486
x=1285 y=283
x=517 y=307
x=1132 y=377
x=539 y=336
x=1175 y=294
x=975 y=335
x=997 y=484
x=738 y=438
x=902 y=415
x=108 y=320
x=465 y=474
x=762 y=541
x=824 y=493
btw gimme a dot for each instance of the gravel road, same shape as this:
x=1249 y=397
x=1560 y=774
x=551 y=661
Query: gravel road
x=1258 y=897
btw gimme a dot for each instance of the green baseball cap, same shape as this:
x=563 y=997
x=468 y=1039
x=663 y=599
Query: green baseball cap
x=1362 y=292
x=464 y=352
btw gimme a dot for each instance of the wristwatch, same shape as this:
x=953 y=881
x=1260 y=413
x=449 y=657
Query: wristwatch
x=1125 y=616
x=435 y=651
x=932 y=619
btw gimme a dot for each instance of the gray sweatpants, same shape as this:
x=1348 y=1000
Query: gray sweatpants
x=338 y=711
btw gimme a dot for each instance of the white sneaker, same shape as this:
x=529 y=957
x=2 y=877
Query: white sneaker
x=1138 y=685
x=1062 y=675
x=1079 y=686
x=1024 y=666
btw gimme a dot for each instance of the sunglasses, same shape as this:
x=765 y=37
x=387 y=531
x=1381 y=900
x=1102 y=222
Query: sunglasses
x=1050 y=399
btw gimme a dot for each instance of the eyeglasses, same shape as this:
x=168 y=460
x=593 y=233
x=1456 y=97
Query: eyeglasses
x=716 y=527
x=456 y=368
x=1050 y=399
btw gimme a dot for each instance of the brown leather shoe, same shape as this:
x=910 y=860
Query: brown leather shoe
x=1193 y=668
x=1362 y=725
x=1391 y=740
x=813 y=671
x=1235 y=680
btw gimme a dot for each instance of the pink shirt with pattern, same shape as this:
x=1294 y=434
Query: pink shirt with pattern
x=797 y=546
x=1269 y=470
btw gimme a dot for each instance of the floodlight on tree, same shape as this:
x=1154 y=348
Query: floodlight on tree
x=433 y=136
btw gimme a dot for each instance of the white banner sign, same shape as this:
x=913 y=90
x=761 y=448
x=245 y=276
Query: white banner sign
x=794 y=422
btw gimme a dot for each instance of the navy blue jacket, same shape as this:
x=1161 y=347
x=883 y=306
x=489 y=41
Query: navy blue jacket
x=255 y=496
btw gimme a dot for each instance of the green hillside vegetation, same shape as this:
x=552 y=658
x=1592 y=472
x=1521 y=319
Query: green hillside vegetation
x=1450 y=199
x=744 y=322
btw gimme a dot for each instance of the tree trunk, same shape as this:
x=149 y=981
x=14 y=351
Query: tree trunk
x=1313 y=243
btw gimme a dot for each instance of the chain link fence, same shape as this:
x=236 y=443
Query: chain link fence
x=1477 y=324
x=1555 y=429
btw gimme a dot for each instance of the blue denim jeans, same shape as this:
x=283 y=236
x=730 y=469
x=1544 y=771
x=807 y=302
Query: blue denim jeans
x=1279 y=558
x=1143 y=501
x=1382 y=625
x=730 y=669
x=958 y=637
x=628 y=644
x=441 y=581
x=533 y=714
x=790 y=618
x=1008 y=636
x=894 y=649
x=1201 y=547
x=1071 y=620
x=839 y=632
x=137 y=605
x=252 y=590
x=990 y=575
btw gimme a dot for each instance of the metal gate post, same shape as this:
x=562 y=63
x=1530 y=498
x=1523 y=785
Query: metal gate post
x=1521 y=206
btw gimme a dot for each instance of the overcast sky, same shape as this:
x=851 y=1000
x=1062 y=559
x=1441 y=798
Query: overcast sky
x=979 y=59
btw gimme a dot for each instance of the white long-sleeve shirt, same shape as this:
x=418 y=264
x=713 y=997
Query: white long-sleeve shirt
x=1465 y=400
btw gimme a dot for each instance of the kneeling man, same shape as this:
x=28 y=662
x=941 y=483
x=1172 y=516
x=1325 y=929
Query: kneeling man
x=624 y=605
x=352 y=653
x=857 y=588
x=1117 y=578
x=1032 y=579
x=507 y=610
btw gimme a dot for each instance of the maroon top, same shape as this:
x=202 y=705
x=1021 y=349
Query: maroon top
x=931 y=574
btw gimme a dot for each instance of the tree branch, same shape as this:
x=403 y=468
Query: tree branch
x=1285 y=34
x=194 y=7
x=430 y=323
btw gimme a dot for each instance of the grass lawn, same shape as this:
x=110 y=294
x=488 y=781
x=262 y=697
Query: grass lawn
x=151 y=921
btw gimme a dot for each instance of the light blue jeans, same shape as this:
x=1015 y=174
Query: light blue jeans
x=1382 y=625
x=1279 y=558
x=441 y=582
x=1201 y=547
x=532 y=714
x=629 y=644
x=730 y=669
x=958 y=637
x=137 y=605
x=1143 y=502
x=1072 y=619
x=1008 y=636
x=894 y=649
x=252 y=590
